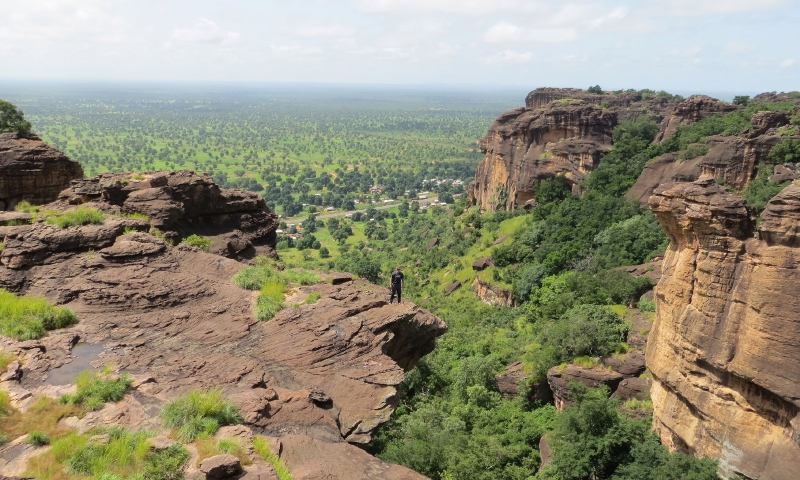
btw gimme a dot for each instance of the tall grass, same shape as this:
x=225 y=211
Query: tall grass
x=207 y=446
x=42 y=416
x=126 y=455
x=80 y=216
x=197 y=413
x=272 y=284
x=95 y=389
x=262 y=449
x=29 y=318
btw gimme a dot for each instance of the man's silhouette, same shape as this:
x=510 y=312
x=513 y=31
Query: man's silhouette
x=396 y=284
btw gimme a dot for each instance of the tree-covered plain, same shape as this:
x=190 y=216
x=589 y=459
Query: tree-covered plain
x=324 y=146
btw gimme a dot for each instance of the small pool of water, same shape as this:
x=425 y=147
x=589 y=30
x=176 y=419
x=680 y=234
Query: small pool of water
x=82 y=355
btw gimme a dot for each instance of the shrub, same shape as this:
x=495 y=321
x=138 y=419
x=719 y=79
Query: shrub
x=95 y=389
x=135 y=216
x=199 y=412
x=203 y=243
x=80 y=216
x=26 y=207
x=12 y=119
x=37 y=439
x=647 y=305
x=251 y=278
x=262 y=449
x=29 y=318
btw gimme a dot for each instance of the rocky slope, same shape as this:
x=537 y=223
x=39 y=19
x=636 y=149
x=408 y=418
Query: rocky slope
x=316 y=378
x=558 y=132
x=723 y=346
x=33 y=171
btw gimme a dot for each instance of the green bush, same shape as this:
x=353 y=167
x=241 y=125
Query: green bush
x=26 y=207
x=29 y=318
x=37 y=439
x=592 y=439
x=95 y=390
x=203 y=243
x=80 y=216
x=647 y=305
x=12 y=119
x=199 y=412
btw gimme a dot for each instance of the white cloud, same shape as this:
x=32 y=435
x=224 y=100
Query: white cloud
x=459 y=7
x=509 y=33
x=206 y=32
x=739 y=48
x=294 y=51
x=508 y=57
x=316 y=29
x=788 y=63
x=711 y=7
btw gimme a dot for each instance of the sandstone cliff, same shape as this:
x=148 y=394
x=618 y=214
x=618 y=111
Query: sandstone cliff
x=690 y=111
x=723 y=348
x=560 y=131
x=565 y=137
x=32 y=171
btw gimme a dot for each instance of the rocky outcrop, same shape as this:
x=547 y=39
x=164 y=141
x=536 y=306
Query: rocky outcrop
x=560 y=377
x=732 y=159
x=690 y=111
x=32 y=171
x=565 y=137
x=490 y=294
x=183 y=203
x=723 y=346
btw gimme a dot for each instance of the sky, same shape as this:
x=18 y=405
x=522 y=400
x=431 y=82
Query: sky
x=677 y=45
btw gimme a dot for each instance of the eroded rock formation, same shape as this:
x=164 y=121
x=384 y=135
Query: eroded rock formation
x=183 y=203
x=560 y=131
x=723 y=348
x=32 y=171
x=690 y=111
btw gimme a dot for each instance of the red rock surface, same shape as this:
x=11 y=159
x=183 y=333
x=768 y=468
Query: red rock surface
x=33 y=171
x=723 y=348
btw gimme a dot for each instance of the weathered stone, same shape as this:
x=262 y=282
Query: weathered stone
x=254 y=405
x=221 y=466
x=13 y=372
x=32 y=171
x=635 y=387
x=724 y=342
x=451 y=287
x=690 y=111
x=490 y=294
x=160 y=442
x=559 y=379
x=628 y=365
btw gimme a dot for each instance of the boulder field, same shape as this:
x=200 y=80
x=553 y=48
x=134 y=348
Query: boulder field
x=317 y=378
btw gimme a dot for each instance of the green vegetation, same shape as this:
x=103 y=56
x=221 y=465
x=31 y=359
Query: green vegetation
x=26 y=207
x=760 y=189
x=272 y=284
x=12 y=119
x=126 y=456
x=37 y=439
x=203 y=243
x=96 y=389
x=199 y=412
x=80 y=216
x=207 y=447
x=312 y=298
x=29 y=318
x=270 y=299
x=594 y=440
x=262 y=449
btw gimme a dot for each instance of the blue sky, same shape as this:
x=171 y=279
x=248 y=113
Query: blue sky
x=678 y=45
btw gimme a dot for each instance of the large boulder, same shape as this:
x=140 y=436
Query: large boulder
x=559 y=379
x=32 y=171
x=221 y=466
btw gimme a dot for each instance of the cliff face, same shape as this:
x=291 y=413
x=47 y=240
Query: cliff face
x=32 y=171
x=689 y=111
x=523 y=146
x=723 y=348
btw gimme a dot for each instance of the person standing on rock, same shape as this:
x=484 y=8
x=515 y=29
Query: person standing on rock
x=396 y=285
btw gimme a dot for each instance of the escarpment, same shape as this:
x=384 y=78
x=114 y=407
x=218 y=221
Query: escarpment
x=724 y=343
x=559 y=132
x=526 y=145
x=32 y=171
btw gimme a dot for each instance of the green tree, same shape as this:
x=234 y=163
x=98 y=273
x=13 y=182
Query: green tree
x=12 y=119
x=741 y=100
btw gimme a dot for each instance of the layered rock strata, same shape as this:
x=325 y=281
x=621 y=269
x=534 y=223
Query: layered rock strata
x=325 y=372
x=724 y=343
x=32 y=171
x=182 y=203
x=526 y=145
x=690 y=111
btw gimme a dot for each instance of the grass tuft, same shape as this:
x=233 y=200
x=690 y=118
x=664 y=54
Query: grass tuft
x=26 y=207
x=29 y=318
x=42 y=416
x=207 y=447
x=38 y=439
x=95 y=390
x=262 y=448
x=80 y=216
x=312 y=298
x=198 y=413
x=203 y=243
